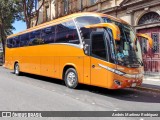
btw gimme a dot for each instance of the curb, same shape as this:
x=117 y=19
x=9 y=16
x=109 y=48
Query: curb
x=148 y=89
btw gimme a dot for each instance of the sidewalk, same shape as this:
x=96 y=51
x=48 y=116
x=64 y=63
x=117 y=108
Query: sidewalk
x=151 y=83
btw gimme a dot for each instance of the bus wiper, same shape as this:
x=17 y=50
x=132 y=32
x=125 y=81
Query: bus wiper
x=123 y=62
x=132 y=62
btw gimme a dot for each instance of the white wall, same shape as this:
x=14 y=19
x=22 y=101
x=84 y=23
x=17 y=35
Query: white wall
x=53 y=9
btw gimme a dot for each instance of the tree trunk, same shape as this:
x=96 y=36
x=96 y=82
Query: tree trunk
x=3 y=39
x=3 y=45
x=28 y=9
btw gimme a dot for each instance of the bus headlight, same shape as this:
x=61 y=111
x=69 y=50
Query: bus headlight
x=129 y=76
x=119 y=72
x=134 y=76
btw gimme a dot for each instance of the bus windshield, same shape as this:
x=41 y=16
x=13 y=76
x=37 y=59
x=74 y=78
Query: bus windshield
x=127 y=54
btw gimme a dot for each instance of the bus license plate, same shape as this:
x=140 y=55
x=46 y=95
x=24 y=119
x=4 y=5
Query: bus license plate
x=134 y=84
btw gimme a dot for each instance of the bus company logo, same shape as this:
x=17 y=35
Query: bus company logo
x=6 y=114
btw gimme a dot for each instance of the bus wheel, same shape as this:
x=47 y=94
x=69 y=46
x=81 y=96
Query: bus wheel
x=71 y=78
x=16 y=69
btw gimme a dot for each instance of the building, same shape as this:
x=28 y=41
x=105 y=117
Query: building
x=57 y=8
x=64 y=7
x=143 y=15
x=46 y=13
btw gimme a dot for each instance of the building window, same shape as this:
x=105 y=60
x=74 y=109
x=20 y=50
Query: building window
x=143 y=42
x=47 y=13
x=155 y=37
x=92 y=2
x=66 y=6
x=150 y=17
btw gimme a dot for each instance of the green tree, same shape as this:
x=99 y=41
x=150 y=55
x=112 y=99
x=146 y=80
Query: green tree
x=31 y=10
x=9 y=12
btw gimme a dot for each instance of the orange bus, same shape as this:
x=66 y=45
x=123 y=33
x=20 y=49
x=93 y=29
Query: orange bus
x=88 y=48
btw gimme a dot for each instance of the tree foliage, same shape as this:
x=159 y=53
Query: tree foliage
x=9 y=12
x=31 y=10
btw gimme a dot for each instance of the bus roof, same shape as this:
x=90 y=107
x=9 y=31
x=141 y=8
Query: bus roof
x=47 y=24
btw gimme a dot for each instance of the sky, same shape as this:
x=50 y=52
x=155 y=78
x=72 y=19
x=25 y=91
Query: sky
x=19 y=26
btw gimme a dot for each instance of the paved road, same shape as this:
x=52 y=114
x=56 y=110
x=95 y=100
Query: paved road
x=36 y=93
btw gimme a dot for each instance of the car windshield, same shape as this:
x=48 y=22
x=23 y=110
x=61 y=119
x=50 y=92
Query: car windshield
x=127 y=53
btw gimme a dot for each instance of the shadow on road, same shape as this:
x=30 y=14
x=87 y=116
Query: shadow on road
x=127 y=94
x=42 y=78
x=151 y=86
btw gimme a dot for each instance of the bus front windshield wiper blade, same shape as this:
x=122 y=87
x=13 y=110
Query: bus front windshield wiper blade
x=129 y=61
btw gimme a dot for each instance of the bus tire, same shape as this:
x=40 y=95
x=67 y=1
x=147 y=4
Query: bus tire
x=16 y=69
x=71 y=78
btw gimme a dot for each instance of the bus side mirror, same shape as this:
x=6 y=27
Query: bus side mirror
x=86 y=46
x=115 y=29
x=150 y=40
x=87 y=49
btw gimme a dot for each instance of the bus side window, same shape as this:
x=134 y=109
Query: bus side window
x=98 y=46
x=86 y=32
x=48 y=34
x=35 y=38
x=24 y=40
x=10 y=43
x=16 y=41
x=67 y=33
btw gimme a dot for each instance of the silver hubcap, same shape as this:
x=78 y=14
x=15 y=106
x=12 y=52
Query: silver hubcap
x=71 y=78
x=16 y=69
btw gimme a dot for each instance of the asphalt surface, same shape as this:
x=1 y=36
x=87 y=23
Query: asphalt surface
x=36 y=93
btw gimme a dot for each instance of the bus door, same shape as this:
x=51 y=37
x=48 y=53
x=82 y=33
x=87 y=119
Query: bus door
x=98 y=58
